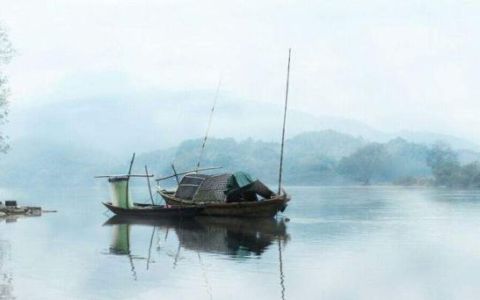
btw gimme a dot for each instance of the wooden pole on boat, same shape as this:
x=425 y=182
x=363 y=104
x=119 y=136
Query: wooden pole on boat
x=212 y=110
x=284 y=122
x=128 y=176
x=149 y=186
x=175 y=174
x=131 y=164
x=183 y=173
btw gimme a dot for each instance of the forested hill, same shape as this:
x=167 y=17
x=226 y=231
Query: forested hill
x=324 y=157
x=307 y=155
x=311 y=158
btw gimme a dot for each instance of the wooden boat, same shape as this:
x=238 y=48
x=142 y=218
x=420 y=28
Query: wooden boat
x=226 y=195
x=258 y=209
x=155 y=211
x=121 y=202
x=229 y=195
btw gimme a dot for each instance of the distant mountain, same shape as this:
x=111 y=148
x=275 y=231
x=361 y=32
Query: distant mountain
x=68 y=141
x=407 y=159
x=467 y=156
x=429 y=138
x=33 y=163
x=329 y=143
x=311 y=158
x=126 y=122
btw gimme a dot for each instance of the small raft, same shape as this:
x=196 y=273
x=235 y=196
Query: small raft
x=10 y=208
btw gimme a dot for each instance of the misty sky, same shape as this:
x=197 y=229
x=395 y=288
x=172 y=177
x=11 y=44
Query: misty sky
x=391 y=64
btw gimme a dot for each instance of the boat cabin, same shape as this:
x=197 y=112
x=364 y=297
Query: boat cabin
x=221 y=188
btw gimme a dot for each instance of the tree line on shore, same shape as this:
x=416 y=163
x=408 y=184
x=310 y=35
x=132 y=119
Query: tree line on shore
x=330 y=157
x=375 y=161
x=315 y=158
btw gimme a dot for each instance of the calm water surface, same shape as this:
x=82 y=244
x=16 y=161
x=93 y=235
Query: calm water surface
x=340 y=243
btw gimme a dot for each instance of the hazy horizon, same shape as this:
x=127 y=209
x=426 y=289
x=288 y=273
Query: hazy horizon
x=392 y=66
x=373 y=194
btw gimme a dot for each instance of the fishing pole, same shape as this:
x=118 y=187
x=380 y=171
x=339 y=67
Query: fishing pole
x=209 y=124
x=284 y=122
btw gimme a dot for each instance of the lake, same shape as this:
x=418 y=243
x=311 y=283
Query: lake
x=331 y=243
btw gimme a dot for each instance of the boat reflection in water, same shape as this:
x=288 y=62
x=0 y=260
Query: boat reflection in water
x=229 y=236
x=232 y=237
x=237 y=237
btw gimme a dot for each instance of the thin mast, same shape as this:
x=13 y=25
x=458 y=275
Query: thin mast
x=149 y=186
x=209 y=125
x=175 y=173
x=128 y=179
x=284 y=122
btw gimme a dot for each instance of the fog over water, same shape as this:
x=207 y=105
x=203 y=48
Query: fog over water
x=340 y=243
x=117 y=77
x=374 y=86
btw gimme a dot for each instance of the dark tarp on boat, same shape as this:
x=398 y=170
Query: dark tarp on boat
x=221 y=188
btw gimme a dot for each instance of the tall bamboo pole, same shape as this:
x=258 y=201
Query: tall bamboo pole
x=128 y=178
x=175 y=174
x=149 y=186
x=284 y=122
x=212 y=110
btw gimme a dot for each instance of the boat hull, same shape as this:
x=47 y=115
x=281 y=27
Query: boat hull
x=156 y=211
x=259 y=209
